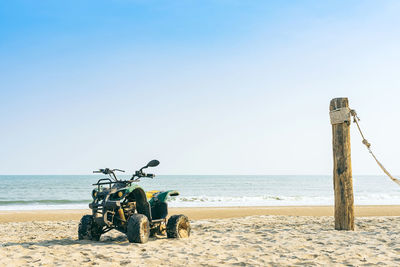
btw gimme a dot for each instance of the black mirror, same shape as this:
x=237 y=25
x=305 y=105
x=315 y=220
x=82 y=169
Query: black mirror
x=153 y=163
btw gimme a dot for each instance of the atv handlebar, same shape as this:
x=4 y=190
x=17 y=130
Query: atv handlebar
x=108 y=171
x=139 y=174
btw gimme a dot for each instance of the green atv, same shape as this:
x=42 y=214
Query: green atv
x=126 y=207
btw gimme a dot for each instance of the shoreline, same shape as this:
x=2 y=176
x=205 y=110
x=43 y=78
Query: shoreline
x=202 y=213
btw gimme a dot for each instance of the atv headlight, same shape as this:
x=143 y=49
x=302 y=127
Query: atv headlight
x=120 y=194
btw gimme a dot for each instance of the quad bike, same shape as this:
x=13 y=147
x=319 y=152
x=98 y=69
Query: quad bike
x=124 y=206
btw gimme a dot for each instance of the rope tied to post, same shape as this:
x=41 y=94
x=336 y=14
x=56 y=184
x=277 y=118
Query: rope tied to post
x=343 y=115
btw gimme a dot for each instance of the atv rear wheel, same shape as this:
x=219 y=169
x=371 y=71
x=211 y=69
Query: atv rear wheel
x=178 y=226
x=88 y=229
x=138 y=228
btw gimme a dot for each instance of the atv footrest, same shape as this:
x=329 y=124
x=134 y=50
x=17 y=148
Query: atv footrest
x=157 y=220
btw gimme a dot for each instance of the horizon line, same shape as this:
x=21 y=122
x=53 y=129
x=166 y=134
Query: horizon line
x=93 y=174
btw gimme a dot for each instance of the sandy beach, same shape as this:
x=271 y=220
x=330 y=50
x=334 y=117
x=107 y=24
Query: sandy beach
x=257 y=236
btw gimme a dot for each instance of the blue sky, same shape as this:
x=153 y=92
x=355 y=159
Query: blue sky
x=207 y=87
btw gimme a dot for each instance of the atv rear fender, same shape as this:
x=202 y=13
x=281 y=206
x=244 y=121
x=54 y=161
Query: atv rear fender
x=162 y=196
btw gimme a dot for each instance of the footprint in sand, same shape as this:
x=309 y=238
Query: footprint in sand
x=124 y=262
x=26 y=257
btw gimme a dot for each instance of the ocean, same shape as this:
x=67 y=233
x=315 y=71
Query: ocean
x=30 y=192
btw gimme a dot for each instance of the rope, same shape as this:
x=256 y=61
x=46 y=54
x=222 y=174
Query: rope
x=356 y=119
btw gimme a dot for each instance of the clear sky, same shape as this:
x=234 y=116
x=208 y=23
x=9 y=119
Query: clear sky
x=206 y=87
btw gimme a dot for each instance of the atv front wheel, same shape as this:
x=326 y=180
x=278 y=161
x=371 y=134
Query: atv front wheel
x=88 y=229
x=178 y=226
x=138 y=228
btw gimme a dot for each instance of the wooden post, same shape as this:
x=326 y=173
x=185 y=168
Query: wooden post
x=342 y=174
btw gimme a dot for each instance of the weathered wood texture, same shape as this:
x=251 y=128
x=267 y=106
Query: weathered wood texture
x=342 y=174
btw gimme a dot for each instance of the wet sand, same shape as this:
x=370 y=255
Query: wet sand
x=206 y=213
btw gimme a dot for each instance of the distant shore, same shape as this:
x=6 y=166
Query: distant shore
x=207 y=213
